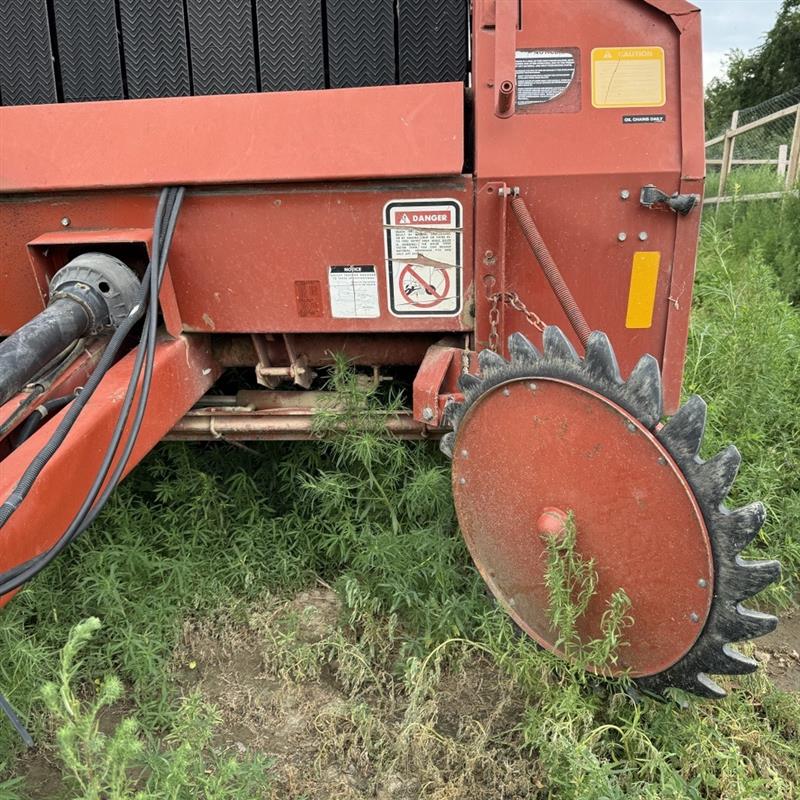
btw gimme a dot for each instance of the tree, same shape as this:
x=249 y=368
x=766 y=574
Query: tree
x=750 y=78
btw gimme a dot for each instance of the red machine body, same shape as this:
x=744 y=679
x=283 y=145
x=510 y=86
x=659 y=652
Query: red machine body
x=304 y=210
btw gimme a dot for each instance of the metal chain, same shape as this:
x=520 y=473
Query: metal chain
x=511 y=299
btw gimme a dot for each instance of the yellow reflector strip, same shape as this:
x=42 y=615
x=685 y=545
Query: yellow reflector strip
x=642 y=294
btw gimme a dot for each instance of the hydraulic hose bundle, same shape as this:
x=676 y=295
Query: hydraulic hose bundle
x=146 y=307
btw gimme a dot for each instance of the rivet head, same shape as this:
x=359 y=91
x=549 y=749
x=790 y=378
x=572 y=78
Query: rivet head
x=702 y=583
x=464 y=454
x=65 y=222
x=694 y=616
x=622 y=236
x=624 y=194
x=512 y=602
x=643 y=236
x=631 y=427
x=532 y=387
x=462 y=481
x=662 y=461
x=507 y=392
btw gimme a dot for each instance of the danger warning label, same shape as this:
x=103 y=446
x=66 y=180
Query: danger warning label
x=424 y=250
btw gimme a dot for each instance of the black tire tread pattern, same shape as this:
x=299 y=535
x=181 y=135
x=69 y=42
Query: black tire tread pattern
x=361 y=49
x=290 y=45
x=26 y=56
x=88 y=50
x=154 y=43
x=432 y=40
x=221 y=46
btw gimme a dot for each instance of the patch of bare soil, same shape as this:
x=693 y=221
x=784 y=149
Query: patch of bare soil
x=42 y=774
x=779 y=652
x=280 y=685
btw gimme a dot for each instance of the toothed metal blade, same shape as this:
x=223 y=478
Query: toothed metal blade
x=683 y=433
x=749 y=577
x=469 y=383
x=732 y=662
x=557 y=346
x=521 y=350
x=719 y=473
x=737 y=528
x=705 y=687
x=446 y=444
x=600 y=359
x=490 y=362
x=739 y=623
x=643 y=389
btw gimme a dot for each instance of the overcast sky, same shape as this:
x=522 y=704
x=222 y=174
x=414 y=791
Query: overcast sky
x=732 y=23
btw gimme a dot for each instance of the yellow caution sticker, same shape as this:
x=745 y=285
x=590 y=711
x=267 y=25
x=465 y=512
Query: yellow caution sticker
x=642 y=293
x=628 y=77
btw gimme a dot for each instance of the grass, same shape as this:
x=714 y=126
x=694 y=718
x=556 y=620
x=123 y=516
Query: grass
x=416 y=686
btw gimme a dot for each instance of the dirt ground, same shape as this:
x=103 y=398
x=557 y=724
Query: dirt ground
x=277 y=684
x=779 y=652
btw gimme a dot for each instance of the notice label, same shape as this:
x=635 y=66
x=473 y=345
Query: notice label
x=624 y=77
x=424 y=250
x=354 y=291
x=543 y=75
x=635 y=119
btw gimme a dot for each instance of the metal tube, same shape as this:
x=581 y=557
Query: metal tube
x=38 y=342
x=551 y=271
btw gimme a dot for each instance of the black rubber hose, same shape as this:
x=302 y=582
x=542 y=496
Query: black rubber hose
x=38 y=342
x=15 y=578
x=38 y=416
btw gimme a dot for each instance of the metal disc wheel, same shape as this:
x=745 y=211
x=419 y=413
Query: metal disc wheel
x=549 y=434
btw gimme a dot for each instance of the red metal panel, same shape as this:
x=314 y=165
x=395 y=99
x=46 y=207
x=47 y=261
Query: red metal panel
x=242 y=260
x=184 y=371
x=572 y=162
x=384 y=131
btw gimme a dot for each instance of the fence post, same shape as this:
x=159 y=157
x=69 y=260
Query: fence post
x=783 y=159
x=727 y=156
x=794 y=152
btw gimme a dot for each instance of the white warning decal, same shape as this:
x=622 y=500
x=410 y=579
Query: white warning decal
x=424 y=251
x=354 y=291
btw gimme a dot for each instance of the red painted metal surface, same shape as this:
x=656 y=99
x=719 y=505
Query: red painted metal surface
x=338 y=134
x=571 y=164
x=240 y=258
x=553 y=444
x=184 y=370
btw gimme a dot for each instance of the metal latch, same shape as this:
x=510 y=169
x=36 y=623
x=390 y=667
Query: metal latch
x=682 y=204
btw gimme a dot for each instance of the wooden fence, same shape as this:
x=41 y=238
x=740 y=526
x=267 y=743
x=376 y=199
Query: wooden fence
x=787 y=160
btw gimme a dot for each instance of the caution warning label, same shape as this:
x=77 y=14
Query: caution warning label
x=424 y=252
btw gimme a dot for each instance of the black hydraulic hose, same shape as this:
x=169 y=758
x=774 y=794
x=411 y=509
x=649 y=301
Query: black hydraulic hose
x=38 y=416
x=89 y=509
x=39 y=462
x=39 y=341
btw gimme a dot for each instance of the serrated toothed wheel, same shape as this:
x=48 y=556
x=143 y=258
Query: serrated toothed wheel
x=547 y=434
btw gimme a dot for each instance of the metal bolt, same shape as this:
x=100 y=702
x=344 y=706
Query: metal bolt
x=662 y=461
x=427 y=413
x=631 y=427
x=622 y=236
x=512 y=602
x=464 y=454
x=694 y=616
x=502 y=191
x=702 y=583
x=65 y=222
x=624 y=194
x=532 y=387
x=462 y=481
x=643 y=236
x=507 y=392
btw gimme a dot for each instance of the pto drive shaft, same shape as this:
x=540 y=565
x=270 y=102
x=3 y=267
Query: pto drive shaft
x=90 y=295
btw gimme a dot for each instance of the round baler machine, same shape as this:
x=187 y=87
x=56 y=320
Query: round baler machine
x=416 y=185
